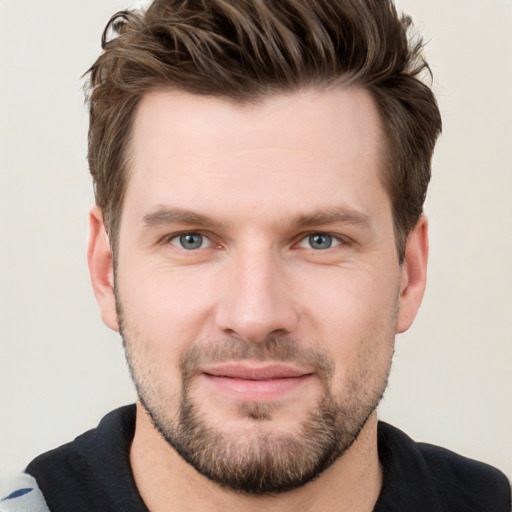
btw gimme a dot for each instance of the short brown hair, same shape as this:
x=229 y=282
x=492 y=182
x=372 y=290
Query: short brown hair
x=248 y=49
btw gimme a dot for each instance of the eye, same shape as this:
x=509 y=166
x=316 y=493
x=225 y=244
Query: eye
x=190 y=241
x=319 y=241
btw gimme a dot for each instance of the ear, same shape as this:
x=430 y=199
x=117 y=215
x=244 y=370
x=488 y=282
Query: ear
x=99 y=257
x=414 y=275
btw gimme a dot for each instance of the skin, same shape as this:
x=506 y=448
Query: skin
x=256 y=181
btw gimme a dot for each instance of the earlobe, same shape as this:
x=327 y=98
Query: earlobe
x=414 y=275
x=101 y=269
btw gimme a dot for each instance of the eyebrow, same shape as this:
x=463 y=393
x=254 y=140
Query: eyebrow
x=342 y=215
x=165 y=216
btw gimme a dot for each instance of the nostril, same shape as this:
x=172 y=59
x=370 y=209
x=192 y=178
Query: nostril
x=278 y=332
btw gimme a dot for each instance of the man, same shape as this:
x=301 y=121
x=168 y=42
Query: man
x=260 y=169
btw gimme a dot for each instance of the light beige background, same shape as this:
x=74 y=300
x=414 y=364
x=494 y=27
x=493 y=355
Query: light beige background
x=61 y=369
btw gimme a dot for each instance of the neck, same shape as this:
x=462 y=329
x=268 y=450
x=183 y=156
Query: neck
x=165 y=481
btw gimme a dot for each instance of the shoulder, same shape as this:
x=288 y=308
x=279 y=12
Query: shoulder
x=479 y=483
x=428 y=473
x=461 y=469
x=114 y=431
x=92 y=472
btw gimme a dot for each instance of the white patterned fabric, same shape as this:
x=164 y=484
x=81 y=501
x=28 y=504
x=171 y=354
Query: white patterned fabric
x=22 y=494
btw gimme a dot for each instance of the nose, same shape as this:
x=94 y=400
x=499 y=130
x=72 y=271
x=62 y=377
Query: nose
x=257 y=302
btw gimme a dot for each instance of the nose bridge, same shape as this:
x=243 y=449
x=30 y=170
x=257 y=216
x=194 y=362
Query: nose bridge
x=257 y=302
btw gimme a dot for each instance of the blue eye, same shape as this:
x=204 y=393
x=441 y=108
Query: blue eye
x=190 y=241
x=319 y=241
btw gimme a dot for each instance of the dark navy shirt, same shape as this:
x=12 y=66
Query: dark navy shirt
x=93 y=474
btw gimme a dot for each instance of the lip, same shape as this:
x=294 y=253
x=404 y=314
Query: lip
x=255 y=382
x=255 y=372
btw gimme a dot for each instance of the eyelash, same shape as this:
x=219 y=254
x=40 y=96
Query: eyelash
x=337 y=240
x=176 y=236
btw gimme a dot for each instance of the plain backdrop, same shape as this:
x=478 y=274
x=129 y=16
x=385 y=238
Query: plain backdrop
x=61 y=369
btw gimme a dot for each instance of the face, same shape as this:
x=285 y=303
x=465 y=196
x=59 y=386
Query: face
x=258 y=286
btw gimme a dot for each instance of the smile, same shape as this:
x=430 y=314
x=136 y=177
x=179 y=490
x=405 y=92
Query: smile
x=265 y=382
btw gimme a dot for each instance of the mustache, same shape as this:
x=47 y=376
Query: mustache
x=283 y=349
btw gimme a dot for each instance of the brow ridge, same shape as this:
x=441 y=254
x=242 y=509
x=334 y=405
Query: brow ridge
x=165 y=215
x=341 y=215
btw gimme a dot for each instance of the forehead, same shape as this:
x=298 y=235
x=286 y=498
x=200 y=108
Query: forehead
x=196 y=150
x=293 y=118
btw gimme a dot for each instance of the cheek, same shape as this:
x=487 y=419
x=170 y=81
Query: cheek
x=164 y=302
x=353 y=317
x=162 y=318
x=350 y=299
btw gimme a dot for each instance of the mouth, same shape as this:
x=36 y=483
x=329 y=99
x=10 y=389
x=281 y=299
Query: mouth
x=255 y=381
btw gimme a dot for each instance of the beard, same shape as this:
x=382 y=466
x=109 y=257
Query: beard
x=258 y=460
